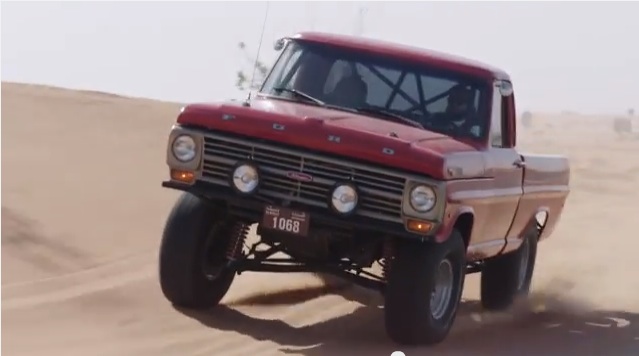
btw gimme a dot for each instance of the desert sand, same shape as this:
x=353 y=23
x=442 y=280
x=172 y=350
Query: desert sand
x=83 y=211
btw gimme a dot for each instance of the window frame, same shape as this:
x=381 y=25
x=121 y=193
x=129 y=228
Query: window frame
x=502 y=111
x=276 y=77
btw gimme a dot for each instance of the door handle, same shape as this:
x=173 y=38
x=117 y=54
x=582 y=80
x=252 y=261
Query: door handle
x=519 y=163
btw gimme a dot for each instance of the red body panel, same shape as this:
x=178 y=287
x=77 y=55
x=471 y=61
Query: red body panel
x=361 y=137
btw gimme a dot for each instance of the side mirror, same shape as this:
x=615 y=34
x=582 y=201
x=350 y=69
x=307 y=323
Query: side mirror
x=279 y=44
x=505 y=88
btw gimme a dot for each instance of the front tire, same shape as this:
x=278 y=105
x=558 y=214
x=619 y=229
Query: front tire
x=508 y=277
x=192 y=264
x=424 y=289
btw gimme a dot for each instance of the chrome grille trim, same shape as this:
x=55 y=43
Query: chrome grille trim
x=381 y=189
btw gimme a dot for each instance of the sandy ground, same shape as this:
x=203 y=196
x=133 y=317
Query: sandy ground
x=83 y=210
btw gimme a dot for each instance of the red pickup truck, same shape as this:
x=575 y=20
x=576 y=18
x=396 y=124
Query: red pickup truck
x=389 y=166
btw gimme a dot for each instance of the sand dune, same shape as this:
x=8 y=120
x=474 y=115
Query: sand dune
x=83 y=210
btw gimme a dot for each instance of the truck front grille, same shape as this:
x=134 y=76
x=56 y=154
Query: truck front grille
x=380 y=190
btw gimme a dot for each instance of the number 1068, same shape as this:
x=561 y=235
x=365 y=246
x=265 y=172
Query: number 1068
x=288 y=225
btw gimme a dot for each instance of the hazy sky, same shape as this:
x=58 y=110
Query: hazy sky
x=581 y=56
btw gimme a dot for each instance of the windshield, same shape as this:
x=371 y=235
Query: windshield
x=385 y=88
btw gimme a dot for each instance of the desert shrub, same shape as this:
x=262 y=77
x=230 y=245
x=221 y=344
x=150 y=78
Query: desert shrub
x=526 y=119
x=244 y=78
x=622 y=125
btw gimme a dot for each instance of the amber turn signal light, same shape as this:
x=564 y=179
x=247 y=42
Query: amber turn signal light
x=419 y=226
x=182 y=176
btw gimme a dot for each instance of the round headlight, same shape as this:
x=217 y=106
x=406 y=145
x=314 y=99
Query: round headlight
x=422 y=198
x=184 y=148
x=245 y=178
x=344 y=198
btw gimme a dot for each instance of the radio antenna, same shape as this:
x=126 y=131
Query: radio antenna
x=361 y=14
x=257 y=55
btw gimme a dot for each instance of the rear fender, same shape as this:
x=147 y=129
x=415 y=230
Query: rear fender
x=537 y=221
x=552 y=218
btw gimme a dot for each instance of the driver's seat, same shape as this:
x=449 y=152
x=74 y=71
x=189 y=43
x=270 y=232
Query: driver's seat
x=350 y=91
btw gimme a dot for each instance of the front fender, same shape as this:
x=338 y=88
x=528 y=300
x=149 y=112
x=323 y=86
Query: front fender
x=451 y=216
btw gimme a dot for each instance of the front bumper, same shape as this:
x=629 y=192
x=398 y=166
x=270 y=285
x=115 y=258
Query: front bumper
x=252 y=208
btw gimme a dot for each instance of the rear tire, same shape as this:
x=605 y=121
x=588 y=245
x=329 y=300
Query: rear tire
x=508 y=277
x=413 y=312
x=192 y=264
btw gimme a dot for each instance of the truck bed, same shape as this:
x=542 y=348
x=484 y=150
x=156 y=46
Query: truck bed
x=545 y=188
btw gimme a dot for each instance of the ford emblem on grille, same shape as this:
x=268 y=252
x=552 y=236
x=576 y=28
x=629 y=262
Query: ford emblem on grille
x=302 y=177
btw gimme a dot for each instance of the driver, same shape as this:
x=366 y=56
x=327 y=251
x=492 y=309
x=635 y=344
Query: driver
x=350 y=91
x=460 y=109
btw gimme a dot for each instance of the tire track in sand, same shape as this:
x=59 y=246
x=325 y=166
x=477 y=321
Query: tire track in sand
x=67 y=286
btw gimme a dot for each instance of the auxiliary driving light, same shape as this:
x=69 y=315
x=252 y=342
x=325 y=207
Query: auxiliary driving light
x=245 y=178
x=344 y=198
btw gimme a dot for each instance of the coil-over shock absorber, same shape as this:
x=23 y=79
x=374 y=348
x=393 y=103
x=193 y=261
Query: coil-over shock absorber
x=238 y=232
x=388 y=254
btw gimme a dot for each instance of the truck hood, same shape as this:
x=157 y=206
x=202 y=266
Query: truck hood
x=332 y=131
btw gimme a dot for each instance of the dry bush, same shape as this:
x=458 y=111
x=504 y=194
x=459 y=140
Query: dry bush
x=526 y=119
x=622 y=125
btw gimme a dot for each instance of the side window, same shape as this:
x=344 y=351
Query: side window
x=291 y=65
x=509 y=108
x=497 y=118
x=281 y=73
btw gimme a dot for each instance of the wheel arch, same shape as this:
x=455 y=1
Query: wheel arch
x=464 y=224
x=462 y=220
x=541 y=218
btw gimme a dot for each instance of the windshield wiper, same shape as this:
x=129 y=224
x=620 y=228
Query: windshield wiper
x=388 y=114
x=300 y=94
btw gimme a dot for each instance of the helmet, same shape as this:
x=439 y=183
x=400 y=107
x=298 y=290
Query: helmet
x=459 y=101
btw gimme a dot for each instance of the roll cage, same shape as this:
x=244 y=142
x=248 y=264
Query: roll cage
x=288 y=64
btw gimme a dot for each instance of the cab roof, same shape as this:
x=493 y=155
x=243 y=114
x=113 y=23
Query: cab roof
x=408 y=53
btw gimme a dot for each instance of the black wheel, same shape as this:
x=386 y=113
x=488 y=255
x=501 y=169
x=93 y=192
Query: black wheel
x=508 y=277
x=192 y=268
x=424 y=288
